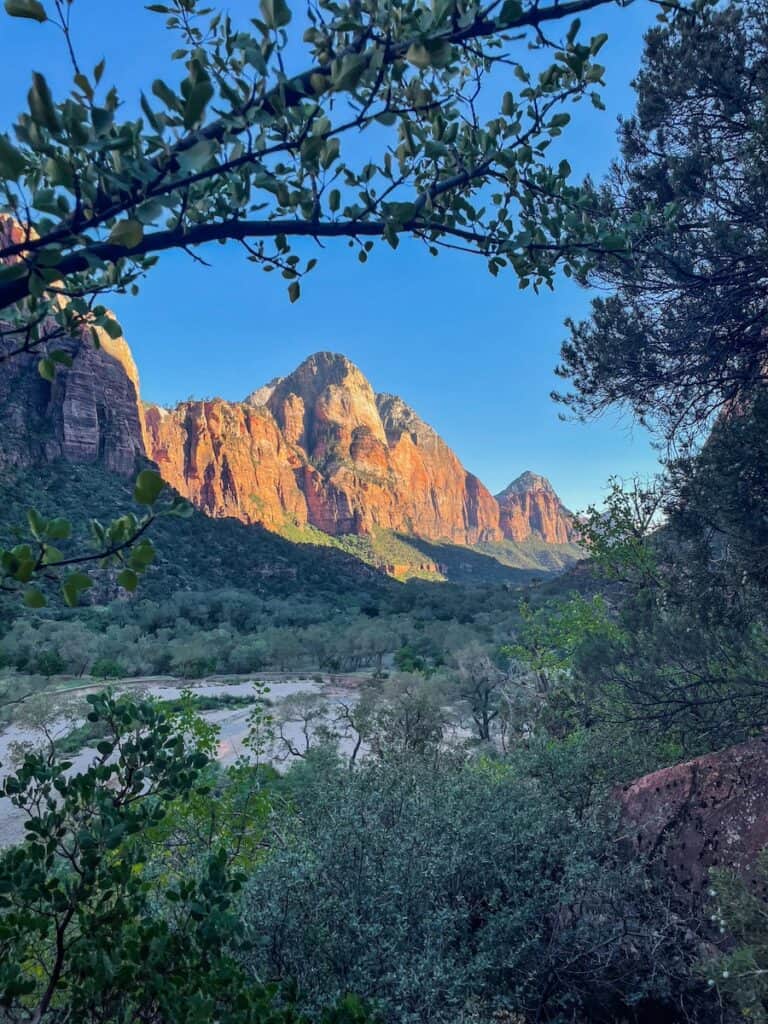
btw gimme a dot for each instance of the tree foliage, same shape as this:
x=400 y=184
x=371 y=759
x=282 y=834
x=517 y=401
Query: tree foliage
x=83 y=933
x=456 y=891
x=251 y=147
x=247 y=148
x=121 y=545
x=683 y=333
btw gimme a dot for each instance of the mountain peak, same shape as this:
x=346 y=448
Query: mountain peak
x=527 y=481
x=318 y=371
x=327 y=367
x=530 y=506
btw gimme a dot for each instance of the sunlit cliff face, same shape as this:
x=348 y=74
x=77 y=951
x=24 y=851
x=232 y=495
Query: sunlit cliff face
x=320 y=447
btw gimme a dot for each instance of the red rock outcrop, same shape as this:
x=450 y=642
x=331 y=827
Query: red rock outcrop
x=90 y=412
x=229 y=459
x=316 y=448
x=529 y=507
x=709 y=812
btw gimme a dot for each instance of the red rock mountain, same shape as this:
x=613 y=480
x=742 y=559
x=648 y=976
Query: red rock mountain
x=320 y=448
x=316 y=448
x=529 y=507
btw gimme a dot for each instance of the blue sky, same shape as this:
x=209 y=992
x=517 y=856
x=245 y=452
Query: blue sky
x=471 y=353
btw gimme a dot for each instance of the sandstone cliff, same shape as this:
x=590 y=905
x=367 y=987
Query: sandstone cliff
x=529 y=507
x=317 y=448
x=90 y=412
x=320 y=448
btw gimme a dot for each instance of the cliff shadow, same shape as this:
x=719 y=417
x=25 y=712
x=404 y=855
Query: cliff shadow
x=460 y=564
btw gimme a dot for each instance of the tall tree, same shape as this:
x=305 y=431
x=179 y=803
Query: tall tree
x=685 y=331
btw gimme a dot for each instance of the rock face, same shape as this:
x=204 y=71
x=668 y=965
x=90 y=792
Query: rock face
x=89 y=413
x=320 y=448
x=316 y=448
x=709 y=812
x=229 y=459
x=529 y=507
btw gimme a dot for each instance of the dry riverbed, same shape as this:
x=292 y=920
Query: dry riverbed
x=62 y=708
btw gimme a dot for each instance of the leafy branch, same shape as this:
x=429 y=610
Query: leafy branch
x=121 y=544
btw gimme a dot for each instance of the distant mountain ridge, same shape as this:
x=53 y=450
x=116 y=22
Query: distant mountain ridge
x=319 y=448
x=316 y=456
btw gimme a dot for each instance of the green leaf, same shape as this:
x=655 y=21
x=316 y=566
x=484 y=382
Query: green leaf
x=128 y=580
x=127 y=233
x=41 y=103
x=142 y=556
x=37 y=524
x=102 y=120
x=510 y=11
x=440 y=53
x=181 y=508
x=294 y=291
x=275 y=13
x=418 y=55
x=168 y=96
x=12 y=271
x=12 y=163
x=81 y=81
x=73 y=586
x=113 y=328
x=32 y=9
x=150 y=211
x=437 y=53
x=34 y=598
x=196 y=157
x=59 y=529
x=47 y=368
x=346 y=73
x=52 y=555
x=199 y=96
x=149 y=484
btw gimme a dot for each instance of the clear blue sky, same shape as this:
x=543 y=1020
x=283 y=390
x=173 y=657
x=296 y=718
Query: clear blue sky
x=471 y=353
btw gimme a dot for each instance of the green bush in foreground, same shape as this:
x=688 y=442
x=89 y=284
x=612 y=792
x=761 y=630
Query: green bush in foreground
x=446 y=890
x=86 y=934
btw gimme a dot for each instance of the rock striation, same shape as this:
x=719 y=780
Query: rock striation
x=89 y=413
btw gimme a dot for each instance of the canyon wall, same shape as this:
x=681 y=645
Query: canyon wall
x=317 y=448
x=90 y=412
x=320 y=448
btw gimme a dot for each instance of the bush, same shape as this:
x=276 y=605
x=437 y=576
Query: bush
x=445 y=890
x=107 y=668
